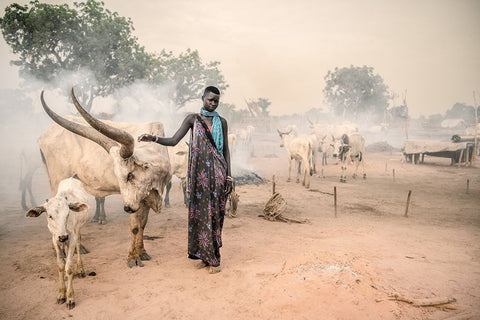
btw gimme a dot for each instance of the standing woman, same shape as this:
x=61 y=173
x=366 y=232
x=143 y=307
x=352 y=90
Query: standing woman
x=209 y=180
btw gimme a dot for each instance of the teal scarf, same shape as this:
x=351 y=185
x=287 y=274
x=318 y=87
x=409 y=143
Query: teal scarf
x=217 y=131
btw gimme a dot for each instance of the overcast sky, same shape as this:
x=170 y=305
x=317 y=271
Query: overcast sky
x=282 y=49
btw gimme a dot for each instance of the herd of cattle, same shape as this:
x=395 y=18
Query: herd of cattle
x=83 y=155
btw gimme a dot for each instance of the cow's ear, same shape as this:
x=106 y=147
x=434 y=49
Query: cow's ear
x=35 y=212
x=77 y=206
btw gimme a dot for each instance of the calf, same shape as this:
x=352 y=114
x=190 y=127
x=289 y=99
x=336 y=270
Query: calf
x=66 y=213
x=351 y=146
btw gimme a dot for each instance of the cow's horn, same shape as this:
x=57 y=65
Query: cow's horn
x=81 y=130
x=116 y=134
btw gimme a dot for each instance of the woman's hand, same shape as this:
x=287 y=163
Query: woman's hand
x=146 y=138
x=228 y=186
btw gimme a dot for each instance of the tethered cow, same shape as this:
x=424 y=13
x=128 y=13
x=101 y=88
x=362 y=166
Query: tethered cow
x=138 y=171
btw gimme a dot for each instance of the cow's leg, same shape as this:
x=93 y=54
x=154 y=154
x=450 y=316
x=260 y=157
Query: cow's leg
x=356 y=167
x=306 y=175
x=324 y=158
x=138 y=221
x=299 y=170
x=61 y=298
x=289 y=167
x=343 y=163
x=69 y=268
x=80 y=249
x=184 y=189
x=100 y=215
x=167 y=194
x=363 y=166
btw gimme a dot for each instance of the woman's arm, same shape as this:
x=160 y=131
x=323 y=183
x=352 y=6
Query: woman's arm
x=171 y=141
x=226 y=155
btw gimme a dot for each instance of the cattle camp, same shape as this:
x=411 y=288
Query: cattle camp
x=350 y=146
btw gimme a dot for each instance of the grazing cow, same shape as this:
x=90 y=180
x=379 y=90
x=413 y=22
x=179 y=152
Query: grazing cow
x=66 y=213
x=299 y=149
x=351 y=146
x=178 y=156
x=109 y=161
x=315 y=147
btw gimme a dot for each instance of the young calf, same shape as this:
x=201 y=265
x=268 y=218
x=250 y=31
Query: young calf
x=66 y=213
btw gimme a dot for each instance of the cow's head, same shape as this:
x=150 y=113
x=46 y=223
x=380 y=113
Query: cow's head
x=341 y=146
x=139 y=181
x=57 y=211
x=284 y=136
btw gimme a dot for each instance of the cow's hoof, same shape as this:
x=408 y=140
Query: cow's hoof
x=167 y=205
x=70 y=305
x=135 y=263
x=288 y=180
x=61 y=300
x=364 y=176
x=144 y=256
x=102 y=221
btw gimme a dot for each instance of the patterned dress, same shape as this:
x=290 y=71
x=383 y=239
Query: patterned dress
x=207 y=172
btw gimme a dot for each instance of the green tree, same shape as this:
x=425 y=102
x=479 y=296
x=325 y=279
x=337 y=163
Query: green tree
x=188 y=75
x=356 y=92
x=53 y=39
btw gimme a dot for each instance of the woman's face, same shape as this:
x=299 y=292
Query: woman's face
x=210 y=101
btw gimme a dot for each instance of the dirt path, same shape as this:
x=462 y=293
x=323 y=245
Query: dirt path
x=330 y=268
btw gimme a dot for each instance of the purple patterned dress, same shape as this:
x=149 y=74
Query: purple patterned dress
x=207 y=172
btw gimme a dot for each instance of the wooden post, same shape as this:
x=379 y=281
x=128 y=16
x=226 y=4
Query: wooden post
x=393 y=174
x=322 y=174
x=273 y=184
x=335 y=200
x=408 y=202
x=474 y=155
x=468 y=184
x=386 y=162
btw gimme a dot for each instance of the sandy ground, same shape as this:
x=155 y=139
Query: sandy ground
x=329 y=268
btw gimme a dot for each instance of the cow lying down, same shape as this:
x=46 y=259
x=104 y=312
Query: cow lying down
x=66 y=213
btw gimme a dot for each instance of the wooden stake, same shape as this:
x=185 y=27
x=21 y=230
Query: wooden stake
x=273 y=184
x=335 y=200
x=460 y=158
x=408 y=202
x=474 y=155
x=386 y=161
x=393 y=174
x=322 y=174
x=468 y=184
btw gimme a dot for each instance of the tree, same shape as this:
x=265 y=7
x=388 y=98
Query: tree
x=355 y=92
x=188 y=74
x=461 y=111
x=54 y=39
x=264 y=104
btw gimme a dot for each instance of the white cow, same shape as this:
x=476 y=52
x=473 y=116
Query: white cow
x=299 y=149
x=178 y=156
x=66 y=213
x=109 y=161
x=351 y=146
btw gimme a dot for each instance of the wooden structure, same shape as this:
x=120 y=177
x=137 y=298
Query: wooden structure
x=459 y=150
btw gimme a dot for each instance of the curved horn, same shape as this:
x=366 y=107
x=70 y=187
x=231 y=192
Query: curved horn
x=79 y=129
x=116 y=134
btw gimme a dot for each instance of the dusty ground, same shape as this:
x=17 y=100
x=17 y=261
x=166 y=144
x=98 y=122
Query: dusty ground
x=330 y=268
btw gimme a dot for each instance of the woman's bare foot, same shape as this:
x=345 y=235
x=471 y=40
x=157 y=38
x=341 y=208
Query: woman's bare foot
x=213 y=270
x=200 y=265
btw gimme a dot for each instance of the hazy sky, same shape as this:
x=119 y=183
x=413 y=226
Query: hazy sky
x=281 y=50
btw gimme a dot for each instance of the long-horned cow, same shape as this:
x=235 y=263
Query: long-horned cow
x=109 y=161
x=299 y=149
x=351 y=146
x=66 y=213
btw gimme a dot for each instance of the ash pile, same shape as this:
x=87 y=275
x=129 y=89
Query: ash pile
x=242 y=177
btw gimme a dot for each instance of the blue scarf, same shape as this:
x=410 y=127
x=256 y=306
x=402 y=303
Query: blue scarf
x=217 y=131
